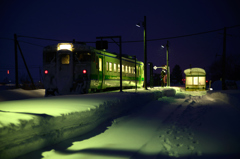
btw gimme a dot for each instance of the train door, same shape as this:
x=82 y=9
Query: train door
x=64 y=72
x=100 y=75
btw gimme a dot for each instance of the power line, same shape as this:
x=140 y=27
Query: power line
x=174 y=37
x=30 y=43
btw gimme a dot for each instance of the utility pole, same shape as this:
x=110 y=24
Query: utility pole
x=16 y=60
x=145 y=52
x=224 y=60
x=168 y=75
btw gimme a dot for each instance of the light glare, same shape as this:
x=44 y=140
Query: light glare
x=64 y=47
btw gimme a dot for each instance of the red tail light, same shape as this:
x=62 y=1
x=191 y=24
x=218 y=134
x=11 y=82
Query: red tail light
x=84 y=71
x=46 y=71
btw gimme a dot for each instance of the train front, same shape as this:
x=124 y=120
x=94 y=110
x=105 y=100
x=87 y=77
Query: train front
x=67 y=69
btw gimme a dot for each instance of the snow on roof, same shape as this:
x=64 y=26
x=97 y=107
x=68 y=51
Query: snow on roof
x=195 y=71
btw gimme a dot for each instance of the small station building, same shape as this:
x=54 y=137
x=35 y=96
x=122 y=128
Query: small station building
x=195 y=79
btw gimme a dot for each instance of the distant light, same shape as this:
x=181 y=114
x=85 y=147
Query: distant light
x=206 y=81
x=46 y=71
x=138 y=25
x=64 y=46
x=84 y=71
x=162 y=46
x=8 y=72
x=210 y=89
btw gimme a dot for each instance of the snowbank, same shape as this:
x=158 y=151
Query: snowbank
x=28 y=125
x=19 y=94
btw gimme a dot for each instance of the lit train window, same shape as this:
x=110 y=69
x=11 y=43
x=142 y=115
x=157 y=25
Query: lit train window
x=122 y=68
x=129 y=69
x=107 y=66
x=118 y=67
x=100 y=64
x=126 y=69
x=115 y=67
x=133 y=70
x=110 y=66
x=65 y=59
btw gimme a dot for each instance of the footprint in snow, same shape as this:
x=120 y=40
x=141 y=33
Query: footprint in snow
x=179 y=145
x=195 y=142
x=190 y=138
x=190 y=147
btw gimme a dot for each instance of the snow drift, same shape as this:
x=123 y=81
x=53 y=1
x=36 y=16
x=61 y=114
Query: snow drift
x=28 y=125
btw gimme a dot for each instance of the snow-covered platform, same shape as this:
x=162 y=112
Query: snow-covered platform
x=30 y=124
x=167 y=122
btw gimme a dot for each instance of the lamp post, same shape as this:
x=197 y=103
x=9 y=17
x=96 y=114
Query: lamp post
x=145 y=50
x=167 y=62
x=168 y=75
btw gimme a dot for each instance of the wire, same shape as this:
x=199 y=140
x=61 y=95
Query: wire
x=30 y=43
x=174 y=37
x=6 y=38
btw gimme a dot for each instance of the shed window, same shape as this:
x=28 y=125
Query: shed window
x=195 y=80
x=188 y=80
x=202 y=80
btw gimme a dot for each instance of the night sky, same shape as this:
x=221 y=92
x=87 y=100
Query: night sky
x=86 y=20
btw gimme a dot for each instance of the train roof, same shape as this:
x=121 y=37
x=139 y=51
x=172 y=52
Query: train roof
x=84 y=47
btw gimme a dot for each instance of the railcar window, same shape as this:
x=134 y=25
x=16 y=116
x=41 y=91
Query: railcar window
x=137 y=70
x=50 y=56
x=107 y=66
x=130 y=69
x=65 y=59
x=110 y=66
x=118 y=67
x=82 y=57
x=126 y=69
x=115 y=67
x=122 y=68
x=133 y=70
x=100 y=64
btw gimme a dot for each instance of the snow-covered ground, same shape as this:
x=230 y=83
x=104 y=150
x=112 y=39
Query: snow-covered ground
x=163 y=123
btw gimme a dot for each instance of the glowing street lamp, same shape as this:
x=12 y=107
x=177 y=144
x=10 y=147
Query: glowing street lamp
x=145 y=49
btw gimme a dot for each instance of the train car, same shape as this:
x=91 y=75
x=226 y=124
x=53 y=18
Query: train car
x=71 y=68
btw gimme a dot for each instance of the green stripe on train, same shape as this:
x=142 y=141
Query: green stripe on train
x=110 y=77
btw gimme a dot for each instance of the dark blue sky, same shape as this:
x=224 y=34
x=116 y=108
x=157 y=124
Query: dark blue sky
x=86 y=20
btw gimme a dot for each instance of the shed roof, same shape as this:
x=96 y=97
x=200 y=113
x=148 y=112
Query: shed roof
x=195 y=71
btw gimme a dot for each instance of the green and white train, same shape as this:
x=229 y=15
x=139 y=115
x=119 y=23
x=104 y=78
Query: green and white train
x=77 y=68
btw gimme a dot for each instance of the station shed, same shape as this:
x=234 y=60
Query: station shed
x=195 y=79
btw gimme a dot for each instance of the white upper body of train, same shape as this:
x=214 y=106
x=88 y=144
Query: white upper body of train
x=77 y=68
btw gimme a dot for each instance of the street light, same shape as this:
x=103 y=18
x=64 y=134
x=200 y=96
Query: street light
x=145 y=49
